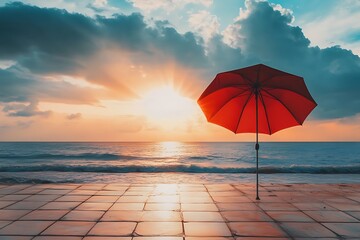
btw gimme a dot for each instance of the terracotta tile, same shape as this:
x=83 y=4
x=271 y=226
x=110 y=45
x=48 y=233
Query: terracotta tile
x=25 y=228
x=60 y=205
x=94 y=206
x=25 y=205
x=238 y=206
x=132 y=216
x=159 y=228
x=160 y=216
x=83 y=192
x=137 y=194
x=185 y=199
x=231 y=199
x=313 y=206
x=277 y=207
x=103 y=199
x=219 y=187
x=157 y=238
x=164 y=199
x=132 y=199
x=128 y=206
x=4 y=223
x=345 y=206
x=285 y=216
x=331 y=216
x=162 y=207
x=12 y=214
x=6 y=203
x=354 y=214
x=271 y=199
x=55 y=191
x=345 y=229
x=260 y=229
x=227 y=194
x=16 y=238
x=42 y=198
x=202 y=217
x=113 y=229
x=209 y=238
x=56 y=238
x=72 y=198
x=246 y=216
x=109 y=193
x=115 y=187
x=106 y=238
x=44 y=215
x=199 y=229
x=194 y=194
x=192 y=188
x=75 y=215
x=71 y=228
x=314 y=229
x=92 y=187
x=165 y=188
x=198 y=207
x=264 y=238
x=14 y=197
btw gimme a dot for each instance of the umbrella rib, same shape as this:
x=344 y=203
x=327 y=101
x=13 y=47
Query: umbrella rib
x=266 y=113
x=242 y=111
x=287 y=108
x=213 y=115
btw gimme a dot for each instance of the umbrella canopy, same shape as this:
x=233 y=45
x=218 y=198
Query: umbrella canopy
x=256 y=99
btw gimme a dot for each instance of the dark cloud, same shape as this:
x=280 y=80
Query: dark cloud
x=53 y=40
x=45 y=35
x=332 y=74
x=133 y=33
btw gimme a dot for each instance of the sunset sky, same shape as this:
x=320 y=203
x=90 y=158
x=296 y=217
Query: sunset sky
x=132 y=70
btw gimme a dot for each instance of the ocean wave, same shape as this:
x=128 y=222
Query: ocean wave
x=182 y=168
x=21 y=180
x=85 y=156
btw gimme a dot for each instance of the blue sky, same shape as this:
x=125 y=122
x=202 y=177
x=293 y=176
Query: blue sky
x=65 y=64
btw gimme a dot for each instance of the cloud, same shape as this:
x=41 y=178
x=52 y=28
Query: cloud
x=336 y=27
x=266 y=35
x=74 y=116
x=151 y=5
x=204 y=23
x=18 y=85
x=45 y=36
x=23 y=110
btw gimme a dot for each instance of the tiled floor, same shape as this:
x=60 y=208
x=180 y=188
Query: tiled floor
x=179 y=211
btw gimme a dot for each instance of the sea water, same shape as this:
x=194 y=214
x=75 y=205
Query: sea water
x=179 y=162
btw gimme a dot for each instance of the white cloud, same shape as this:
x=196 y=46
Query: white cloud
x=168 y=5
x=204 y=23
x=333 y=29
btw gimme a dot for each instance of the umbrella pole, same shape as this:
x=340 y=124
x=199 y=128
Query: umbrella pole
x=257 y=146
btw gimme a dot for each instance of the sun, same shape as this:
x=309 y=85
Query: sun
x=166 y=104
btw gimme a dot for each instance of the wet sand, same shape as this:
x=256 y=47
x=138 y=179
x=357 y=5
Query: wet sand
x=179 y=211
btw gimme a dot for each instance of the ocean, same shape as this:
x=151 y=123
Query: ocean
x=178 y=162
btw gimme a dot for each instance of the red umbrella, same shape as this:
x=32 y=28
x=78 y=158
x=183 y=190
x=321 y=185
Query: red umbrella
x=256 y=99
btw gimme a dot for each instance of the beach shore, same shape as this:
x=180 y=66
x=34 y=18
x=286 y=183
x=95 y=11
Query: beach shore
x=179 y=211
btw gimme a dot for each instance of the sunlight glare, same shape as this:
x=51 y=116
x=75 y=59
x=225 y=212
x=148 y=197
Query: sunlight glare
x=166 y=104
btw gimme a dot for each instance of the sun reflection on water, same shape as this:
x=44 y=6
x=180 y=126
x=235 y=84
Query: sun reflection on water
x=170 y=149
